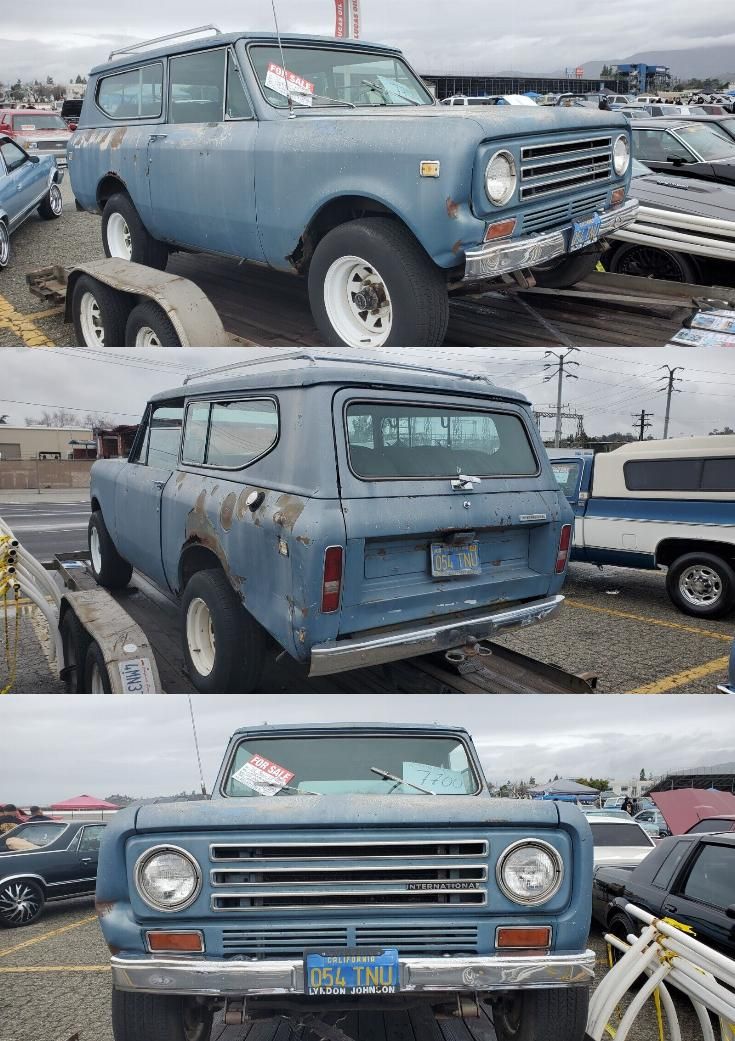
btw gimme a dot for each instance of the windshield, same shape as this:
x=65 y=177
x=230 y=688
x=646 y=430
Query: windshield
x=34 y=122
x=317 y=77
x=618 y=834
x=346 y=764
x=33 y=836
x=708 y=141
x=390 y=440
x=710 y=825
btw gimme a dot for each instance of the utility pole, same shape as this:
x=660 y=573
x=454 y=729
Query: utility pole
x=559 y=365
x=641 y=422
x=670 y=389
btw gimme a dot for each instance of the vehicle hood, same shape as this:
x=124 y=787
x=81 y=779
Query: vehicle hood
x=685 y=195
x=353 y=811
x=683 y=807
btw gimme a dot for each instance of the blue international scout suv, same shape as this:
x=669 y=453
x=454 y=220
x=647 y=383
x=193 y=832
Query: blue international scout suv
x=347 y=867
x=340 y=167
x=349 y=513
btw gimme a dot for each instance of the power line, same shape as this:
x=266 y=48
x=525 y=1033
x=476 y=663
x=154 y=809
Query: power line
x=670 y=389
x=641 y=422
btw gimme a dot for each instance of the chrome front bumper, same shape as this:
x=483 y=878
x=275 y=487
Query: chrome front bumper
x=240 y=978
x=409 y=641
x=498 y=258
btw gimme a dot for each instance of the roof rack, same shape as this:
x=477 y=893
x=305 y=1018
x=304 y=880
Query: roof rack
x=133 y=47
x=313 y=358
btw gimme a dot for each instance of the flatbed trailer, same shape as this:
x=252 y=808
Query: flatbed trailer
x=214 y=301
x=140 y=622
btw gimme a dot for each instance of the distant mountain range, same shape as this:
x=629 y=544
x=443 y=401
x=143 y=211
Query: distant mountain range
x=692 y=63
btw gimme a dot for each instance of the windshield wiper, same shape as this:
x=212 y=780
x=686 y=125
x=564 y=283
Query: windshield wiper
x=322 y=97
x=400 y=780
x=289 y=787
x=385 y=95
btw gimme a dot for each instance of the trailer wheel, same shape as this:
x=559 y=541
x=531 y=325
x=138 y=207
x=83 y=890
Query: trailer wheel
x=566 y=271
x=96 y=676
x=372 y=285
x=52 y=205
x=147 y=1017
x=651 y=262
x=21 y=902
x=556 y=1014
x=149 y=326
x=99 y=313
x=4 y=244
x=75 y=641
x=701 y=584
x=224 y=646
x=109 y=569
x=125 y=236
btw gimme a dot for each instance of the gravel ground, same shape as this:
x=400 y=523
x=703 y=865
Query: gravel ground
x=58 y=981
x=33 y=674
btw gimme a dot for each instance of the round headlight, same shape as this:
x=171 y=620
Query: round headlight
x=621 y=155
x=500 y=178
x=168 y=878
x=530 y=872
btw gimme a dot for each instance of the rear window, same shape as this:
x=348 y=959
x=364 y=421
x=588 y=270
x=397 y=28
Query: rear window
x=618 y=834
x=711 y=824
x=394 y=440
x=135 y=94
x=229 y=434
x=38 y=122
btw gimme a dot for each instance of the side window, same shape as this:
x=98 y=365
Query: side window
x=135 y=94
x=14 y=157
x=657 y=146
x=663 y=475
x=671 y=865
x=718 y=475
x=229 y=434
x=91 y=838
x=237 y=105
x=164 y=435
x=196 y=87
x=710 y=879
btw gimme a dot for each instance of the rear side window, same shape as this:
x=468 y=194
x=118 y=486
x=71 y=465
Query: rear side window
x=618 y=834
x=710 y=878
x=229 y=434
x=680 y=475
x=136 y=94
x=197 y=87
x=395 y=440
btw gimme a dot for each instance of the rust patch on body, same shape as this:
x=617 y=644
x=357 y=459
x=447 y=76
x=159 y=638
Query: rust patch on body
x=304 y=540
x=288 y=510
x=457 y=247
x=103 y=907
x=227 y=511
x=117 y=137
x=452 y=208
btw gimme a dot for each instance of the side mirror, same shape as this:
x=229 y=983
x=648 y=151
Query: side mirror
x=676 y=160
x=35 y=158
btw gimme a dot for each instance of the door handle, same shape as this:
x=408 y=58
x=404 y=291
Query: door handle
x=159 y=484
x=669 y=907
x=86 y=860
x=156 y=137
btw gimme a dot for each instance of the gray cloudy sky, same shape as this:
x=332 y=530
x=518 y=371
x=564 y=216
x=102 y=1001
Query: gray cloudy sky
x=611 y=386
x=65 y=39
x=57 y=747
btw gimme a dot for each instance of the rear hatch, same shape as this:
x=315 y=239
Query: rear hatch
x=413 y=526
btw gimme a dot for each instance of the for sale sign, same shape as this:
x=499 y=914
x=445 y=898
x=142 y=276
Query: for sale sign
x=263 y=776
x=289 y=84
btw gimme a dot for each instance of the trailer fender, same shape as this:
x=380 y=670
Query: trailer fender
x=131 y=664
x=190 y=311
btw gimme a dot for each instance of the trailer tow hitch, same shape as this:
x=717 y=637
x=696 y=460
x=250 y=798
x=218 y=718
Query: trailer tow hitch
x=467 y=659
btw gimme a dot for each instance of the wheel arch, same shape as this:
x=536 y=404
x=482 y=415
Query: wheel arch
x=110 y=185
x=26 y=874
x=194 y=558
x=669 y=550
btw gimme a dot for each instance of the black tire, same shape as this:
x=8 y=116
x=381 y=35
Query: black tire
x=95 y=671
x=566 y=271
x=651 y=262
x=106 y=312
x=144 y=248
x=158 y=1017
x=111 y=570
x=75 y=641
x=717 y=585
x=239 y=643
x=556 y=1014
x=416 y=286
x=4 y=245
x=20 y=890
x=620 y=926
x=148 y=317
x=52 y=205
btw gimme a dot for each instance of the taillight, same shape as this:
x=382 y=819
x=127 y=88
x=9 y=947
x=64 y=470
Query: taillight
x=332 y=581
x=562 y=554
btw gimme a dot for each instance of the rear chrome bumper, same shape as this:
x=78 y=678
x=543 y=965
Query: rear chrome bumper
x=498 y=258
x=408 y=641
x=238 y=978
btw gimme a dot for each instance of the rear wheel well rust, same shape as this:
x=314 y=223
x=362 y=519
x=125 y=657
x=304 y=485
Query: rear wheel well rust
x=669 y=550
x=337 y=211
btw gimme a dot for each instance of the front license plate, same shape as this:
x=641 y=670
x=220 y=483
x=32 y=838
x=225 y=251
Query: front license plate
x=367 y=971
x=585 y=232
x=448 y=559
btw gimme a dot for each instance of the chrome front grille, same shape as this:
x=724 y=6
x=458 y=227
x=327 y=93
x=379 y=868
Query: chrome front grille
x=560 y=166
x=289 y=876
x=273 y=941
x=561 y=213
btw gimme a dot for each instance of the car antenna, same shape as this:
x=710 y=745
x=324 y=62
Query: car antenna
x=196 y=746
x=291 y=113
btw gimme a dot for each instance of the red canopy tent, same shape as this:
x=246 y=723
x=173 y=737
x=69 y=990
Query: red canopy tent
x=84 y=802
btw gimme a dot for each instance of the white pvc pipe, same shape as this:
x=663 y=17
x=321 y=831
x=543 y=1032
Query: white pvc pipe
x=631 y=1013
x=41 y=577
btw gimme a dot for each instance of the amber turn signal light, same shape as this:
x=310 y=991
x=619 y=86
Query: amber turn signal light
x=521 y=936
x=617 y=196
x=500 y=229
x=189 y=943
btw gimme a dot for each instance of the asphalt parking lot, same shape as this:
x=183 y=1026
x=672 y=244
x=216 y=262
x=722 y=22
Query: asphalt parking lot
x=55 y=981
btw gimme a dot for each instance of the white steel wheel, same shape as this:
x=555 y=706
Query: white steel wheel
x=358 y=303
x=90 y=319
x=54 y=200
x=119 y=239
x=4 y=244
x=200 y=636
x=700 y=585
x=95 y=550
x=96 y=680
x=147 y=337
